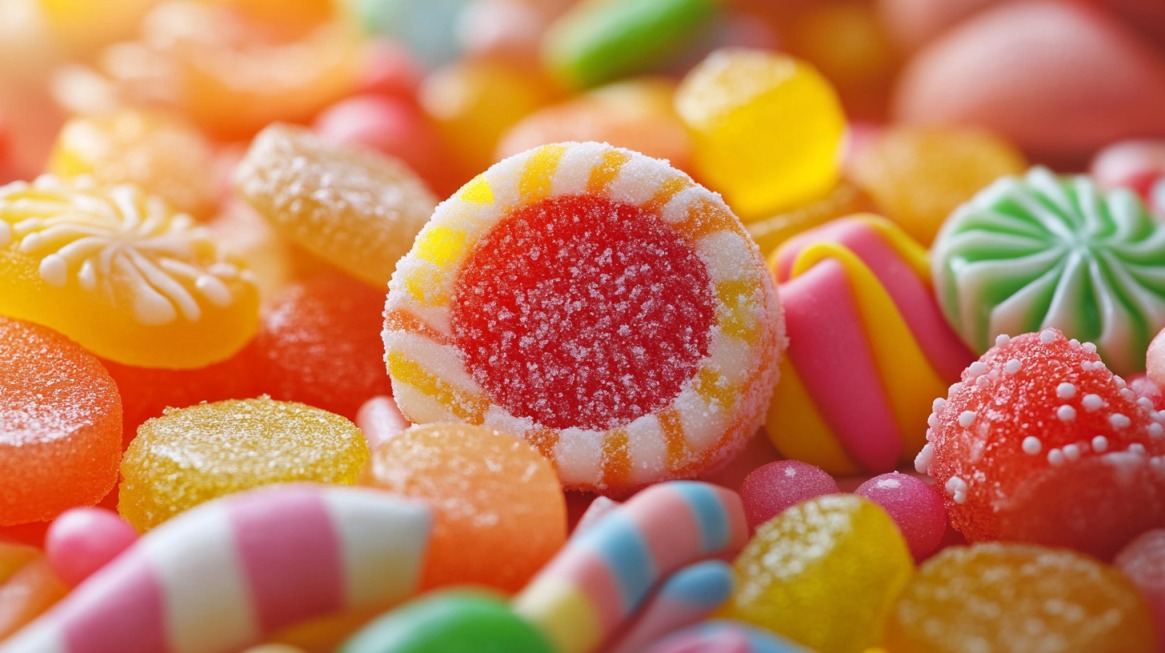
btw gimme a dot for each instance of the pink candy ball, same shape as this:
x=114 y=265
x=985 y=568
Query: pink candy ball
x=771 y=488
x=1143 y=561
x=914 y=505
x=1155 y=359
x=83 y=540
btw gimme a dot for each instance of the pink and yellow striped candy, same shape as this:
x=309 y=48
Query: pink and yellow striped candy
x=225 y=574
x=869 y=347
x=595 y=301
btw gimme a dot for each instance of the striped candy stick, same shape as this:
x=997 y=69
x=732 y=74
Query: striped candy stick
x=601 y=578
x=221 y=576
x=688 y=596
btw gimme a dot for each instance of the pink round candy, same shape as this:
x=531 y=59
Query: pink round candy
x=914 y=505
x=1155 y=359
x=771 y=488
x=83 y=540
x=1143 y=561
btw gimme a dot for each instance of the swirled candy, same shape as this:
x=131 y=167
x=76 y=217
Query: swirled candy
x=1046 y=251
x=595 y=301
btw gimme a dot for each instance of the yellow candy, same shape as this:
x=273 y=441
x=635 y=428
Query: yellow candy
x=823 y=573
x=192 y=455
x=356 y=209
x=160 y=153
x=122 y=274
x=766 y=128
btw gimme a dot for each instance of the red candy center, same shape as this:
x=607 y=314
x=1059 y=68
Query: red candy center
x=582 y=312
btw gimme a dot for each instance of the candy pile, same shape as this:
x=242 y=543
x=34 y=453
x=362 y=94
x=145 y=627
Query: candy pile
x=544 y=326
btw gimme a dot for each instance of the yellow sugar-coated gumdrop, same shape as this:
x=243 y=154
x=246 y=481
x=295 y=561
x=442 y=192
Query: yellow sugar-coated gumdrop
x=354 y=208
x=160 y=153
x=1013 y=598
x=824 y=573
x=195 y=454
x=766 y=129
x=122 y=274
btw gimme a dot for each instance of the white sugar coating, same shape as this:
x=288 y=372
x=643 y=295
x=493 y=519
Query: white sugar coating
x=1089 y=347
x=1155 y=430
x=983 y=381
x=938 y=404
x=1071 y=452
x=1146 y=403
x=1055 y=457
x=932 y=420
x=1092 y=402
x=1136 y=448
x=976 y=369
x=1118 y=380
x=1119 y=421
x=1032 y=445
x=1100 y=444
x=1066 y=413
x=966 y=418
x=1127 y=394
x=1047 y=336
x=1002 y=340
x=888 y=483
x=1012 y=366
x=1066 y=391
x=957 y=488
x=1074 y=343
x=924 y=458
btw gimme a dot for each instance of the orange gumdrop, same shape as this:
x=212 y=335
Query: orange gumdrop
x=499 y=509
x=60 y=424
x=28 y=586
x=319 y=344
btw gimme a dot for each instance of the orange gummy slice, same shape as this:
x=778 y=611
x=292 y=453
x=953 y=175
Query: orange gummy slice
x=60 y=424
x=122 y=274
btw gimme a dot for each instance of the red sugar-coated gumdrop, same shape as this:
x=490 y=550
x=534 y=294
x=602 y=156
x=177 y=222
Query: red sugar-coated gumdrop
x=914 y=505
x=82 y=540
x=541 y=342
x=319 y=344
x=1040 y=442
x=772 y=488
x=1143 y=561
x=60 y=424
x=146 y=391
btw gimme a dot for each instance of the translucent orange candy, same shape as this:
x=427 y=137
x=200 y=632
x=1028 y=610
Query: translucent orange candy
x=60 y=424
x=1015 y=598
x=354 y=208
x=28 y=586
x=122 y=274
x=500 y=514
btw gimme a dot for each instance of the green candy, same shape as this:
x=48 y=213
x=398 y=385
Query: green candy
x=1048 y=251
x=461 y=621
x=602 y=40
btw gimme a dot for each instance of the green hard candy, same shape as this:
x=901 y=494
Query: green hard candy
x=602 y=40
x=450 y=622
x=1054 y=251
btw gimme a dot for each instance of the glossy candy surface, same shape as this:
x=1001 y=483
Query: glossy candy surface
x=769 y=489
x=191 y=455
x=914 y=505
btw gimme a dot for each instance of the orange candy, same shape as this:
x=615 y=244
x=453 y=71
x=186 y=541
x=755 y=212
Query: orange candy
x=319 y=343
x=492 y=493
x=28 y=586
x=60 y=424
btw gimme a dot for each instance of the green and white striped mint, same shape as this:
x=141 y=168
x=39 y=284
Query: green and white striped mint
x=1054 y=251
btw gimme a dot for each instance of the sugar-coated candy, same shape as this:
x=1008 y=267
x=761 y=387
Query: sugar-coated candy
x=533 y=302
x=914 y=505
x=121 y=273
x=1143 y=561
x=602 y=577
x=1040 y=442
x=869 y=348
x=1155 y=359
x=918 y=175
x=766 y=128
x=823 y=573
x=724 y=636
x=160 y=153
x=60 y=424
x=352 y=207
x=319 y=344
x=461 y=621
x=1015 y=598
x=83 y=540
x=491 y=493
x=194 y=454
x=28 y=586
x=599 y=41
x=232 y=571
x=769 y=489
x=688 y=596
x=1046 y=251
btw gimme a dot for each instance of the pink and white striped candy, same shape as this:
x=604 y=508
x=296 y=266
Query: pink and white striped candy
x=221 y=576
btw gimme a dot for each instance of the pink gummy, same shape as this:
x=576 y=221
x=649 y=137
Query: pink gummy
x=771 y=488
x=914 y=505
x=83 y=540
x=1143 y=561
x=379 y=420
